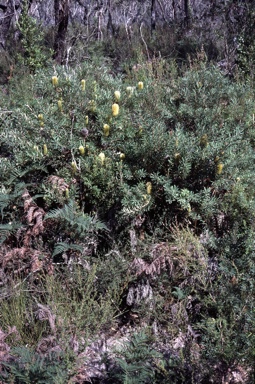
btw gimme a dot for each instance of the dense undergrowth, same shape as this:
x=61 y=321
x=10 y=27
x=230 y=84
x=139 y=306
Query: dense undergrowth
x=127 y=225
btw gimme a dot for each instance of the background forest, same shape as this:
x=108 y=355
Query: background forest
x=127 y=137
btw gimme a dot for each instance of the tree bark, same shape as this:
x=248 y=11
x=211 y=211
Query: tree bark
x=8 y=11
x=153 y=16
x=186 y=13
x=61 y=9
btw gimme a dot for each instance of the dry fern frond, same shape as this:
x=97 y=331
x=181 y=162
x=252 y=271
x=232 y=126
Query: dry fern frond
x=24 y=258
x=162 y=255
x=4 y=347
x=44 y=313
x=58 y=183
x=34 y=216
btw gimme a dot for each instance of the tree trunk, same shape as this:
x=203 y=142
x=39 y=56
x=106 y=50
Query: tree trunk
x=110 y=27
x=153 y=16
x=8 y=12
x=61 y=9
x=186 y=13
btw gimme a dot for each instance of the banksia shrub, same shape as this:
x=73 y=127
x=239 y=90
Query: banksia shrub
x=54 y=81
x=219 y=168
x=117 y=95
x=101 y=157
x=130 y=91
x=148 y=187
x=45 y=149
x=60 y=105
x=106 y=129
x=115 y=109
x=82 y=150
x=83 y=84
x=140 y=85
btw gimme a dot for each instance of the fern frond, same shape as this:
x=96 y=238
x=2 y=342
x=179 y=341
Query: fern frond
x=5 y=231
x=63 y=247
x=78 y=221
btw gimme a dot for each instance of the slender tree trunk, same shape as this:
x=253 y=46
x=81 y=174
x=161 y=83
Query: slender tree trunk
x=110 y=27
x=186 y=13
x=8 y=10
x=61 y=8
x=174 y=5
x=153 y=16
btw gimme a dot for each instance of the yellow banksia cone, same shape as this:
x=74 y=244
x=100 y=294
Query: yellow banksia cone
x=102 y=157
x=86 y=120
x=74 y=166
x=204 y=141
x=106 y=129
x=40 y=117
x=117 y=95
x=140 y=85
x=67 y=193
x=219 y=168
x=130 y=91
x=140 y=130
x=122 y=156
x=60 y=105
x=45 y=149
x=81 y=150
x=149 y=188
x=83 y=84
x=42 y=124
x=54 y=80
x=115 y=109
x=177 y=157
x=92 y=105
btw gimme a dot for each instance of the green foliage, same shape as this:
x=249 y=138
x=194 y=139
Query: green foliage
x=30 y=367
x=18 y=310
x=167 y=187
x=34 y=54
x=135 y=361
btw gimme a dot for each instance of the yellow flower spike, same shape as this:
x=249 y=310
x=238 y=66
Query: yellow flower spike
x=102 y=157
x=60 y=105
x=40 y=117
x=115 y=109
x=117 y=95
x=204 y=141
x=81 y=150
x=67 y=193
x=36 y=148
x=54 y=80
x=177 y=157
x=83 y=84
x=130 y=91
x=122 y=156
x=41 y=124
x=106 y=129
x=74 y=166
x=92 y=105
x=219 y=168
x=140 y=85
x=45 y=149
x=149 y=188
x=86 y=120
